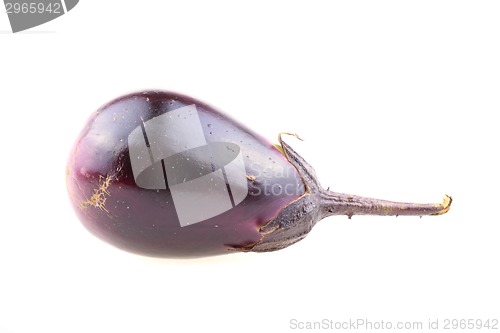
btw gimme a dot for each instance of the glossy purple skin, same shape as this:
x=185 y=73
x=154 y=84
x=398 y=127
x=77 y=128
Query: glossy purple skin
x=108 y=202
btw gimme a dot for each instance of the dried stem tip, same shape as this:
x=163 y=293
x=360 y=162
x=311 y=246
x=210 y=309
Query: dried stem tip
x=333 y=203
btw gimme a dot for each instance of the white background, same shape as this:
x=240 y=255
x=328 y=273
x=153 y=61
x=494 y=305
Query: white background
x=394 y=99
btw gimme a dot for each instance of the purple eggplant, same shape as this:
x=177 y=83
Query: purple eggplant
x=165 y=175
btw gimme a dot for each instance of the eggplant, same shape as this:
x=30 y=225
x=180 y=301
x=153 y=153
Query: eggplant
x=161 y=174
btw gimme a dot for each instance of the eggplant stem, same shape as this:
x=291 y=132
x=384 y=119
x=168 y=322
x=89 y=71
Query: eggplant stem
x=297 y=219
x=333 y=203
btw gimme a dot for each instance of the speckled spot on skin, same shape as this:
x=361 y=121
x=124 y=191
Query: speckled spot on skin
x=99 y=197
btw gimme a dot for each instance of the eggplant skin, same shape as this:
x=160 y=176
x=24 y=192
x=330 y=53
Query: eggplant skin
x=110 y=204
